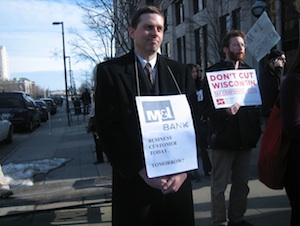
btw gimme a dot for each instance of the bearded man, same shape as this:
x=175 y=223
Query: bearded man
x=233 y=133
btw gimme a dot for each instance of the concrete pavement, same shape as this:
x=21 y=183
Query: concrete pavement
x=79 y=192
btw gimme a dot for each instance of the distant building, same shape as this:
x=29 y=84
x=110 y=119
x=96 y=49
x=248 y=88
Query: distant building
x=25 y=85
x=19 y=84
x=4 y=71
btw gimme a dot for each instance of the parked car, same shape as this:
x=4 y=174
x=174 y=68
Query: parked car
x=43 y=110
x=6 y=131
x=58 y=100
x=20 y=109
x=52 y=108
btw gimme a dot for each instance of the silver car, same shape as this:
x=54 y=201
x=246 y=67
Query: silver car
x=6 y=131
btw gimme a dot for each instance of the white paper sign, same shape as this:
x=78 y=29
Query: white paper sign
x=234 y=86
x=262 y=37
x=168 y=134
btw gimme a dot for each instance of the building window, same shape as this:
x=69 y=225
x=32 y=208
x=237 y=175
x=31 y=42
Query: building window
x=236 y=19
x=198 y=48
x=167 y=50
x=224 y=25
x=179 y=12
x=166 y=19
x=179 y=50
x=201 y=46
x=184 y=49
x=181 y=47
x=199 y=5
x=205 y=46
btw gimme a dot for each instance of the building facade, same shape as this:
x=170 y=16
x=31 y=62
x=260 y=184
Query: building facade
x=194 y=28
x=4 y=69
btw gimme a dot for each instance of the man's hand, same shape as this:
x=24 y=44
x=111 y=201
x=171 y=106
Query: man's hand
x=233 y=109
x=167 y=184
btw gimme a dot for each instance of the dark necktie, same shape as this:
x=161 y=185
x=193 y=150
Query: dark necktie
x=148 y=69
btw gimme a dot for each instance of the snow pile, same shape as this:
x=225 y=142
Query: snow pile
x=19 y=175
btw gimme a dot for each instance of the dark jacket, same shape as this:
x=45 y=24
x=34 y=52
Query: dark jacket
x=236 y=132
x=86 y=97
x=118 y=124
x=290 y=115
x=290 y=109
x=269 y=83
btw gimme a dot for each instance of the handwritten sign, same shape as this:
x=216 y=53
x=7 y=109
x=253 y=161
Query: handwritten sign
x=262 y=37
x=168 y=134
x=234 y=86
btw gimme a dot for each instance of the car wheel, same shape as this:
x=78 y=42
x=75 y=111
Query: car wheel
x=9 y=138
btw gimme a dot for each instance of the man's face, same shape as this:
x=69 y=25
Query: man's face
x=148 y=34
x=236 y=49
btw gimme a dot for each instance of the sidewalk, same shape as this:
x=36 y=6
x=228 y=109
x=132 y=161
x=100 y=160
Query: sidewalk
x=77 y=182
x=79 y=192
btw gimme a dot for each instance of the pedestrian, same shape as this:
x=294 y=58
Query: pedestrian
x=91 y=128
x=270 y=80
x=86 y=101
x=202 y=122
x=195 y=75
x=138 y=199
x=290 y=112
x=234 y=131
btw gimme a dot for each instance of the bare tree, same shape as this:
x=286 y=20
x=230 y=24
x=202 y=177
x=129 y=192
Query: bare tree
x=108 y=21
x=97 y=17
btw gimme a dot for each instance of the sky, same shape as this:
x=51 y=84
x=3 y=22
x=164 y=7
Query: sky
x=32 y=42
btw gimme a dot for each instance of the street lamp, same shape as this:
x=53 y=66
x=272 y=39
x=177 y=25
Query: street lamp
x=65 y=68
x=70 y=74
x=258 y=8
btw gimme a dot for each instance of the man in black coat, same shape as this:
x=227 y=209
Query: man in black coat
x=86 y=101
x=137 y=199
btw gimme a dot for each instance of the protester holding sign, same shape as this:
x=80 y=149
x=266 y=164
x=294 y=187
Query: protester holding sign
x=234 y=131
x=137 y=198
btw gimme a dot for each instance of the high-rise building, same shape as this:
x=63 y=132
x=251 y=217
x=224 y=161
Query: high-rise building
x=4 y=70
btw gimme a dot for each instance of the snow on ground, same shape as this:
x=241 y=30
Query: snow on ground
x=20 y=175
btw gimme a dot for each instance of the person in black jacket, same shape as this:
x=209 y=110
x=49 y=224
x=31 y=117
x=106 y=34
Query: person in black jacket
x=290 y=115
x=86 y=101
x=137 y=199
x=270 y=80
x=202 y=122
x=233 y=133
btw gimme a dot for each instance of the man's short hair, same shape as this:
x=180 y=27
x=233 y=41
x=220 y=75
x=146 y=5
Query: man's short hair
x=231 y=34
x=135 y=19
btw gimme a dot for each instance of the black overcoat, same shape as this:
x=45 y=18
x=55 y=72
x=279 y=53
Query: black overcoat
x=134 y=202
